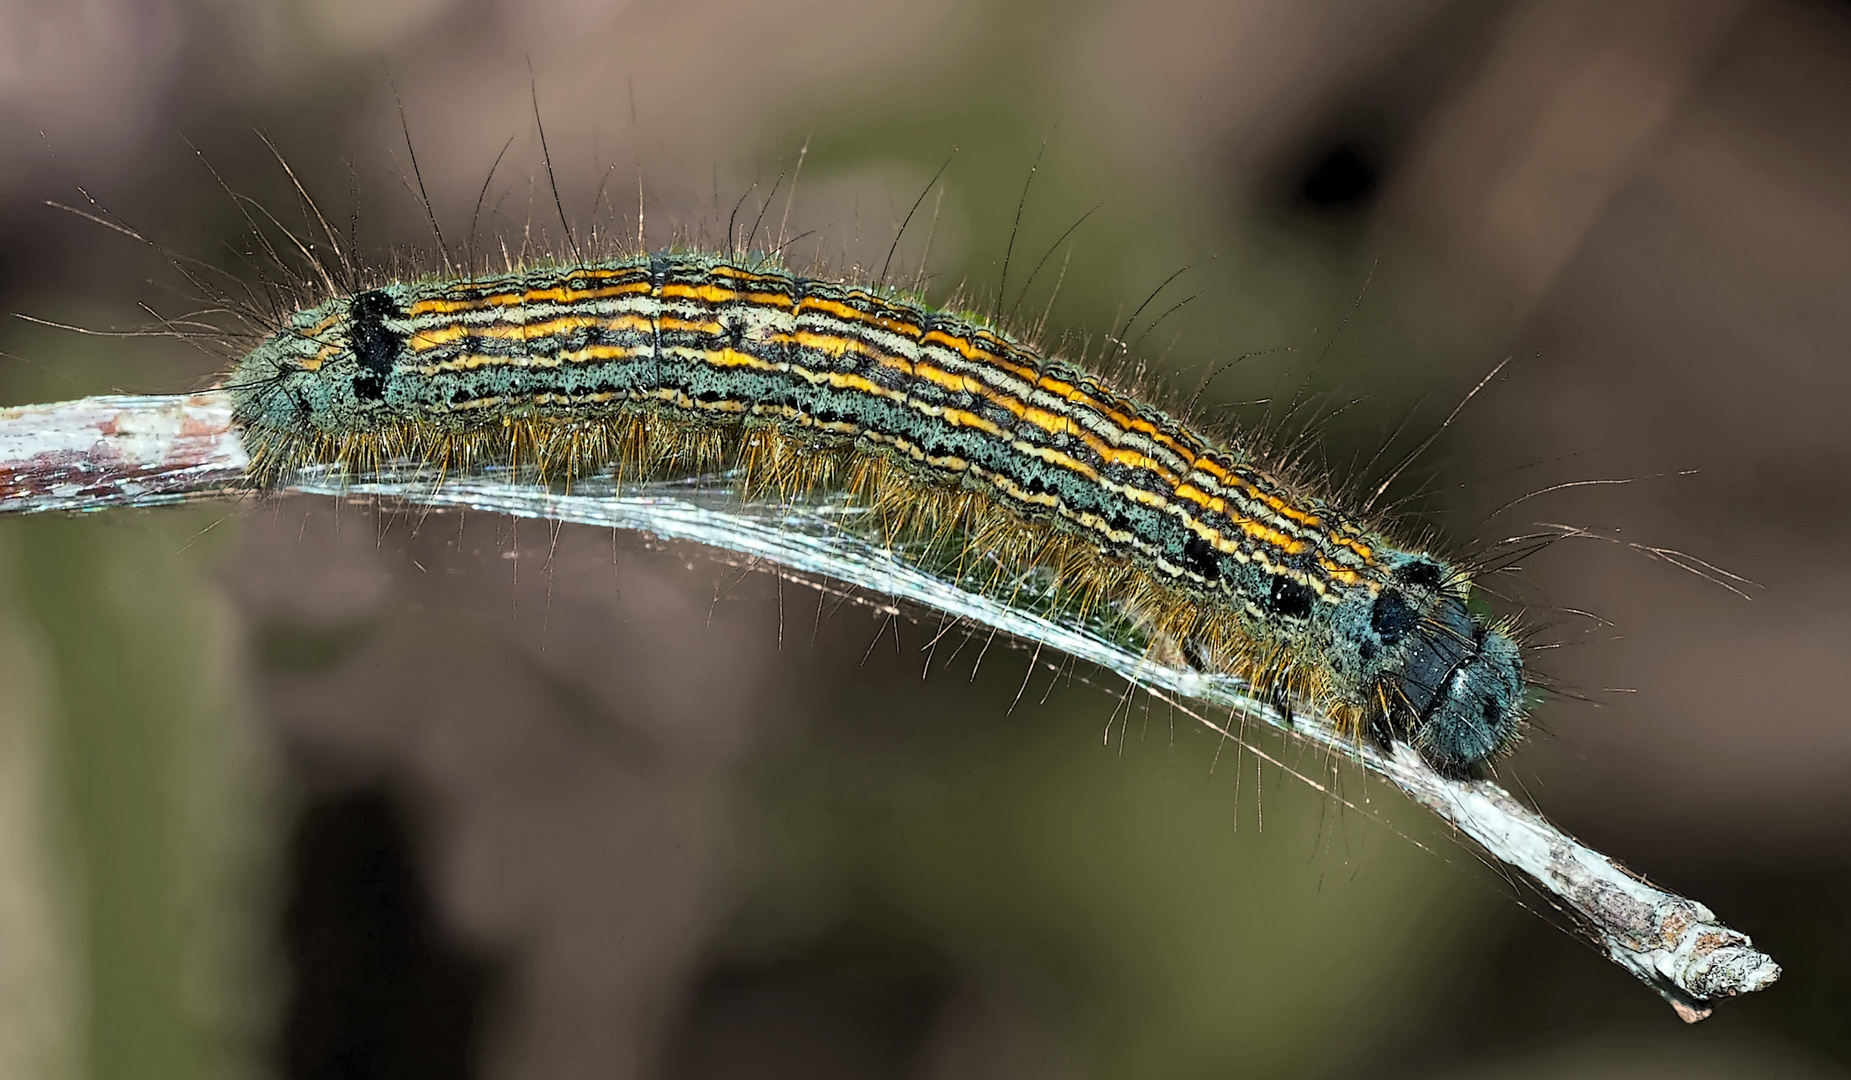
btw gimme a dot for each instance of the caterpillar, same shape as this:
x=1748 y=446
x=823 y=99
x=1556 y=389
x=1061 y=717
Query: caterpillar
x=951 y=429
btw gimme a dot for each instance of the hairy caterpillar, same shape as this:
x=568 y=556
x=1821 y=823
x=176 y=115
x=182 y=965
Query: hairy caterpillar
x=690 y=362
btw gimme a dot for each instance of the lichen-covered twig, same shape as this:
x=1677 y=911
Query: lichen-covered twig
x=140 y=451
x=117 y=451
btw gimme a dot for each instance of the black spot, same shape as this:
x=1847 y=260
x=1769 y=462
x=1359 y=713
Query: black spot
x=375 y=347
x=1199 y=558
x=1290 y=598
x=1342 y=180
x=1392 y=618
x=1421 y=573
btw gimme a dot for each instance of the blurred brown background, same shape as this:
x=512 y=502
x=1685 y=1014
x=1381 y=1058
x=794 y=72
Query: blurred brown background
x=307 y=789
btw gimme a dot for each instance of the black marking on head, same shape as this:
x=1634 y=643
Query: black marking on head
x=1447 y=639
x=1420 y=573
x=1289 y=598
x=1479 y=712
x=1392 y=617
x=375 y=347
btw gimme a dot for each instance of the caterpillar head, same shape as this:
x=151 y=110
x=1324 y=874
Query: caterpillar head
x=1441 y=677
x=322 y=376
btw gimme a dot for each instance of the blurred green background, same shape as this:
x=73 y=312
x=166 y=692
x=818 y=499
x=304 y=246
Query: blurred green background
x=313 y=789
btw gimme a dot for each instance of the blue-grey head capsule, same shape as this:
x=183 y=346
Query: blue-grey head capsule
x=328 y=371
x=1477 y=710
x=1452 y=686
x=1462 y=684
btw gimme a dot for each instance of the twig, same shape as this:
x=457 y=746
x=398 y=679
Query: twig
x=141 y=451
x=117 y=451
